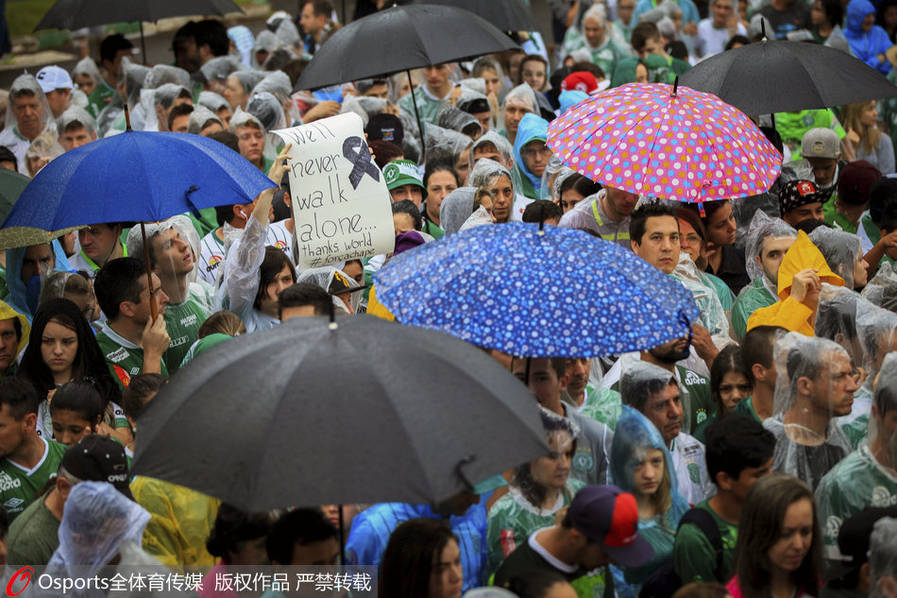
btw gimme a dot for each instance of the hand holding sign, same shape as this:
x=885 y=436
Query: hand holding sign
x=341 y=207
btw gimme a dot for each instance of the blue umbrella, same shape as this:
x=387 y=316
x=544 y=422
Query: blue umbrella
x=551 y=293
x=138 y=177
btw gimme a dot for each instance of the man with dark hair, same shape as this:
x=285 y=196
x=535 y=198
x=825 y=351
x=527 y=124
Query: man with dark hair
x=197 y=42
x=646 y=41
x=606 y=215
x=739 y=452
x=816 y=386
x=850 y=576
x=303 y=299
x=654 y=235
x=543 y=211
x=98 y=244
x=8 y=159
x=800 y=200
x=14 y=332
x=303 y=537
x=76 y=128
x=600 y=528
x=756 y=352
x=33 y=537
x=132 y=341
x=866 y=477
x=316 y=23
x=654 y=392
x=112 y=49
x=28 y=460
x=179 y=118
x=548 y=380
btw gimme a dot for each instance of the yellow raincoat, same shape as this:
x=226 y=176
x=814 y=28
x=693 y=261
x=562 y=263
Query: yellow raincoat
x=182 y=520
x=788 y=312
x=375 y=308
x=7 y=312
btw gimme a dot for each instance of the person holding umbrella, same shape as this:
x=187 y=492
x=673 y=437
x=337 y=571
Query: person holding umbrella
x=132 y=340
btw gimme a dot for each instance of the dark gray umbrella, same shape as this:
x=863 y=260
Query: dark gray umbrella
x=368 y=411
x=74 y=14
x=507 y=15
x=783 y=76
x=402 y=38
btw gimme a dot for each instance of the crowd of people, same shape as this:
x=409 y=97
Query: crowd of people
x=754 y=456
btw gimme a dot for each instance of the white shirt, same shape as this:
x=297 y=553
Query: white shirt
x=710 y=40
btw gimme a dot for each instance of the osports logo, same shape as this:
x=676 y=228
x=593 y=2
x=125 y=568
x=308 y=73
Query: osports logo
x=22 y=578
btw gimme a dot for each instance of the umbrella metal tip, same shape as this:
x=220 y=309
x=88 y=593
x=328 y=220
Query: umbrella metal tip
x=540 y=232
x=333 y=326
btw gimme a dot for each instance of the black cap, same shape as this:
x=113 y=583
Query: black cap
x=387 y=127
x=853 y=540
x=98 y=458
x=475 y=106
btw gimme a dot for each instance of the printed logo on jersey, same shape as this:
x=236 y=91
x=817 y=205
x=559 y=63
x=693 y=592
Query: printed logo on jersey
x=7 y=482
x=118 y=355
x=691 y=378
x=214 y=262
x=14 y=504
x=882 y=498
x=583 y=461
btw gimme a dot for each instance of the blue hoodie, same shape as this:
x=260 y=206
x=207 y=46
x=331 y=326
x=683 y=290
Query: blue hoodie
x=24 y=297
x=531 y=128
x=866 y=45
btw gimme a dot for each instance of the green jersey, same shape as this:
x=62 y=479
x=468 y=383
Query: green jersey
x=694 y=558
x=18 y=485
x=427 y=105
x=182 y=320
x=602 y=405
x=746 y=407
x=698 y=402
x=857 y=482
x=750 y=299
x=124 y=358
x=99 y=98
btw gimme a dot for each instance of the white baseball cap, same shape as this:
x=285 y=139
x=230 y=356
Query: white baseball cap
x=53 y=77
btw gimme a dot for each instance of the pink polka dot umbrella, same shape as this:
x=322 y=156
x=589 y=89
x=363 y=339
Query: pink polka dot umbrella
x=665 y=141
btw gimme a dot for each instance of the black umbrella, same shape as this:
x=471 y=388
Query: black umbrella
x=783 y=76
x=363 y=410
x=507 y=15
x=402 y=38
x=74 y=14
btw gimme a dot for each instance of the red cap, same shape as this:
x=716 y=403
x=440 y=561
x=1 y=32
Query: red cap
x=581 y=81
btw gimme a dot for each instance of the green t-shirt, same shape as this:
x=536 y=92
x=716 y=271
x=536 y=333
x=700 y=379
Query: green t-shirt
x=746 y=407
x=432 y=229
x=855 y=483
x=182 y=320
x=792 y=125
x=99 y=98
x=124 y=358
x=700 y=405
x=205 y=223
x=19 y=486
x=694 y=558
x=33 y=536
x=603 y=405
x=427 y=105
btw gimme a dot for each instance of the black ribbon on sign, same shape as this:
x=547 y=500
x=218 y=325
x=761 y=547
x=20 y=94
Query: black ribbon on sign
x=356 y=151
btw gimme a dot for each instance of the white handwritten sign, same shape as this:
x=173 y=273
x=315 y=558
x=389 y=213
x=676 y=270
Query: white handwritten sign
x=341 y=207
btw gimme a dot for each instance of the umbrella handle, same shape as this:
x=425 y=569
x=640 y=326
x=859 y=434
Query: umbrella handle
x=460 y=472
x=154 y=307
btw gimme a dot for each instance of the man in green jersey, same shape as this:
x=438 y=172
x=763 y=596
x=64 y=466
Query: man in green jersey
x=739 y=452
x=132 y=341
x=28 y=460
x=867 y=477
x=189 y=303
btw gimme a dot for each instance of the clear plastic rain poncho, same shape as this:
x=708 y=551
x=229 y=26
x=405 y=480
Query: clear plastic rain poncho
x=164 y=96
x=97 y=521
x=281 y=23
x=500 y=142
x=182 y=224
x=265 y=41
x=243 y=39
x=58 y=283
x=836 y=319
x=840 y=250
x=220 y=68
x=882 y=288
x=487 y=62
x=815 y=384
x=27 y=82
x=485 y=171
x=763 y=227
x=44 y=148
x=277 y=83
x=213 y=101
x=86 y=66
x=241 y=117
x=332 y=280
x=882 y=553
x=454 y=119
x=713 y=316
x=456 y=208
x=562 y=175
x=877 y=332
x=74 y=114
x=265 y=107
x=634 y=437
x=249 y=79
x=365 y=107
x=161 y=74
x=444 y=144
x=199 y=117
x=523 y=96
x=473 y=85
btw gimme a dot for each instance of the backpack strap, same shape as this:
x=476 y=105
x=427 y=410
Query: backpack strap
x=707 y=524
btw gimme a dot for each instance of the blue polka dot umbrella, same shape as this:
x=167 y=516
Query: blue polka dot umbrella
x=665 y=141
x=550 y=293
